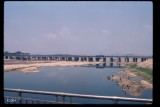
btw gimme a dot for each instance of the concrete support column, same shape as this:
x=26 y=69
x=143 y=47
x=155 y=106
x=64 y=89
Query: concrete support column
x=90 y=59
x=69 y=58
x=142 y=59
x=119 y=59
x=133 y=59
x=111 y=59
x=36 y=58
x=126 y=59
x=84 y=59
x=39 y=58
x=18 y=58
x=97 y=59
x=29 y=58
x=104 y=59
x=50 y=58
x=76 y=59
x=58 y=58
x=72 y=58
x=47 y=58
x=81 y=58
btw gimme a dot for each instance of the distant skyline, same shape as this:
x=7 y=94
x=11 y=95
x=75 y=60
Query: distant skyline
x=80 y=28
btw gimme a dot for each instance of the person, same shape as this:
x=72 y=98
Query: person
x=122 y=89
x=127 y=87
x=120 y=78
x=128 y=77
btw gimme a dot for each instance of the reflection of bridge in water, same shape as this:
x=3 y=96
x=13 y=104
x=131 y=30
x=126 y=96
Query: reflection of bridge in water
x=110 y=65
x=105 y=65
x=96 y=58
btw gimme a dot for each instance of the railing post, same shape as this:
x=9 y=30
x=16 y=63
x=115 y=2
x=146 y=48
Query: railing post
x=26 y=101
x=116 y=101
x=20 y=95
x=63 y=99
x=56 y=99
x=70 y=101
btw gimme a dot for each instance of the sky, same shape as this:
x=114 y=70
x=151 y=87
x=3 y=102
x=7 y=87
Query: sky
x=80 y=28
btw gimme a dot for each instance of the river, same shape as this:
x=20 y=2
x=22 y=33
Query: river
x=79 y=80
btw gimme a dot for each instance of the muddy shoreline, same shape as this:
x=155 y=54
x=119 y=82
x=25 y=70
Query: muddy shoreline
x=129 y=83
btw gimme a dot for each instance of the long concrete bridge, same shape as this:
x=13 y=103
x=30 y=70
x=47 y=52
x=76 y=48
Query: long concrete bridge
x=102 y=58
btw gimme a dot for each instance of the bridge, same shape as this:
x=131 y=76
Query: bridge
x=104 y=58
x=64 y=96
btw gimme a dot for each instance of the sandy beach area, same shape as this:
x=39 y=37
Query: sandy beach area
x=32 y=66
x=146 y=64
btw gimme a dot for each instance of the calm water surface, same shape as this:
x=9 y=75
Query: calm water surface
x=80 y=80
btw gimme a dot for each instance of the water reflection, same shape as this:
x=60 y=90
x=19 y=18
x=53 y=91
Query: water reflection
x=110 y=65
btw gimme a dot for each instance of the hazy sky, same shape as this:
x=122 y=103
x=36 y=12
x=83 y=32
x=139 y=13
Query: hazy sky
x=79 y=27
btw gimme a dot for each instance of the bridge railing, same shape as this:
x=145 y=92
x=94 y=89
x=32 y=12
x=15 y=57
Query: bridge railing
x=21 y=100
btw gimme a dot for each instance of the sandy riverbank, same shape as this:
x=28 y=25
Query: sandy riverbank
x=32 y=66
x=128 y=82
x=146 y=64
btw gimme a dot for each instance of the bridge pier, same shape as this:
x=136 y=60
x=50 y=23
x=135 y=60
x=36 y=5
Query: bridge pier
x=85 y=59
x=119 y=59
x=126 y=59
x=97 y=59
x=104 y=59
x=18 y=58
x=111 y=59
x=90 y=59
x=82 y=58
x=69 y=58
x=134 y=59
x=76 y=58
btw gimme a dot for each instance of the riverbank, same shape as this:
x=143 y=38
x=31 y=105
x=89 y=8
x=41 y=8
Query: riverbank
x=135 y=78
x=31 y=66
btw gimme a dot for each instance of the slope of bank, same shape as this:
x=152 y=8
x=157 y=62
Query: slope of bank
x=135 y=77
x=143 y=69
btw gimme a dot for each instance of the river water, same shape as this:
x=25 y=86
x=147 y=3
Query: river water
x=79 y=80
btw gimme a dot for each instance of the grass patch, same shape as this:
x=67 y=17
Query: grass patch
x=146 y=73
x=133 y=65
x=145 y=70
